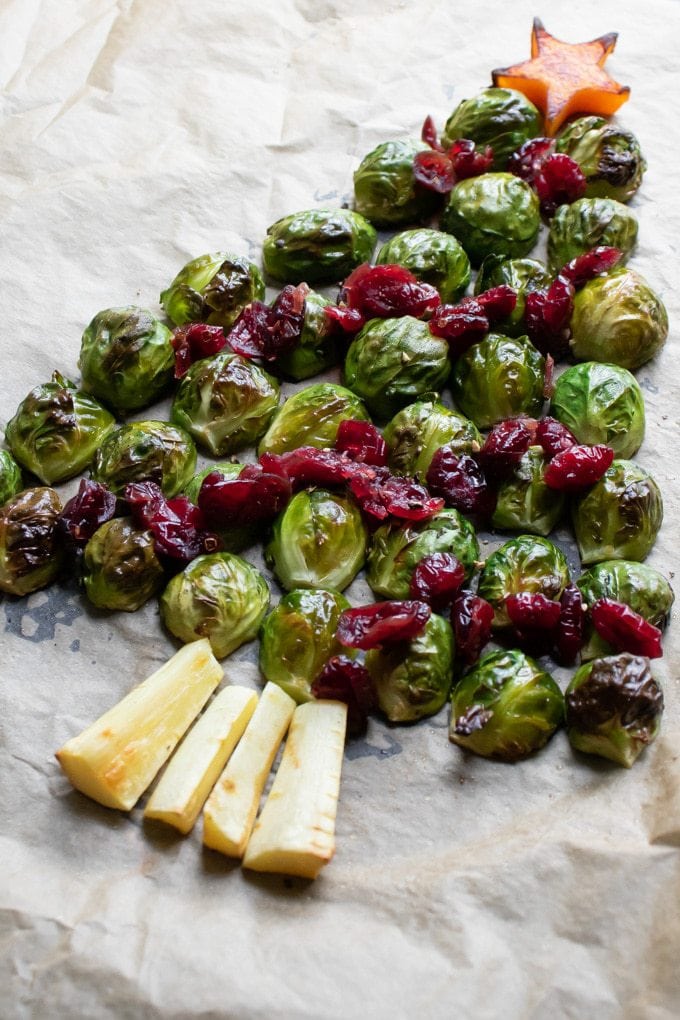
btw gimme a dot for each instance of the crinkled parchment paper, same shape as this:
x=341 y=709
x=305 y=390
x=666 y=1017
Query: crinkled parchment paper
x=133 y=136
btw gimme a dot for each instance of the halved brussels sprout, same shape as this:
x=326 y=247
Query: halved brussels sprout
x=319 y=541
x=493 y=214
x=213 y=288
x=609 y=157
x=126 y=358
x=396 y=550
x=416 y=433
x=57 y=429
x=620 y=516
x=526 y=563
x=501 y=118
x=385 y=190
x=601 y=403
x=505 y=707
x=31 y=552
x=10 y=477
x=413 y=678
x=298 y=638
x=433 y=257
x=218 y=596
x=524 y=501
x=233 y=539
x=318 y=347
x=225 y=403
x=121 y=570
x=317 y=246
x=392 y=362
x=311 y=417
x=146 y=451
x=618 y=318
x=501 y=377
x=588 y=223
x=523 y=275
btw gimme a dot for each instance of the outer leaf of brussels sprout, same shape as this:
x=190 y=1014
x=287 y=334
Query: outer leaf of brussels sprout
x=433 y=257
x=120 y=567
x=501 y=118
x=527 y=563
x=225 y=403
x=153 y=451
x=413 y=678
x=126 y=358
x=396 y=550
x=384 y=186
x=317 y=246
x=56 y=430
x=618 y=319
x=10 y=477
x=318 y=347
x=501 y=377
x=493 y=214
x=601 y=403
x=620 y=516
x=392 y=362
x=416 y=433
x=31 y=553
x=213 y=288
x=610 y=158
x=218 y=596
x=311 y=417
x=505 y=707
x=523 y=275
x=525 y=502
x=588 y=223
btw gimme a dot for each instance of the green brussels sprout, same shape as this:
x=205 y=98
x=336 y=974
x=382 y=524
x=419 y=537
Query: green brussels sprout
x=413 y=678
x=501 y=377
x=601 y=403
x=385 y=190
x=234 y=538
x=620 y=516
x=610 y=158
x=392 y=362
x=526 y=563
x=298 y=638
x=225 y=403
x=218 y=596
x=126 y=358
x=619 y=319
x=317 y=246
x=501 y=118
x=31 y=553
x=505 y=707
x=121 y=570
x=396 y=550
x=57 y=429
x=145 y=451
x=318 y=347
x=613 y=708
x=10 y=477
x=587 y=223
x=493 y=214
x=524 y=502
x=311 y=417
x=415 y=434
x=213 y=288
x=523 y=275
x=433 y=257
x=318 y=541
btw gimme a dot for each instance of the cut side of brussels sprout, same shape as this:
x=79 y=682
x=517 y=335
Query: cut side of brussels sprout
x=528 y=563
x=384 y=186
x=311 y=417
x=501 y=118
x=145 y=451
x=493 y=214
x=501 y=377
x=213 y=288
x=433 y=257
x=415 y=434
x=317 y=246
x=601 y=403
x=31 y=550
x=121 y=570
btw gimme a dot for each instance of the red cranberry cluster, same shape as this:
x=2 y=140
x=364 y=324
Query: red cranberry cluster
x=439 y=169
x=557 y=179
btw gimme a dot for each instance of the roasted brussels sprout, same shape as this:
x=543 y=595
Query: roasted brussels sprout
x=587 y=223
x=619 y=319
x=501 y=377
x=385 y=191
x=31 y=553
x=413 y=678
x=318 y=347
x=613 y=708
x=319 y=541
x=392 y=362
x=501 y=118
x=57 y=429
x=10 y=477
x=523 y=275
x=433 y=257
x=601 y=403
x=493 y=214
x=317 y=246
x=396 y=550
x=298 y=638
x=416 y=433
x=218 y=596
x=120 y=567
x=505 y=707
x=225 y=403
x=609 y=157
x=524 y=501
x=620 y=516
x=311 y=417
x=213 y=288
x=126 y=358
x=146 y=451
x=526 y=563
x=233 y=539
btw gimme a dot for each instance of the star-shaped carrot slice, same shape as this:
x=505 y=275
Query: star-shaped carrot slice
x=564 y=79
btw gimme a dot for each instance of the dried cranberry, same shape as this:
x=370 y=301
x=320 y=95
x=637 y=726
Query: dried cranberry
x=560 y=181
x=433 y=170
x=534 y=618
x=348 y=320
x=547 y=315
x=342 y=679
x=178 y=527
x=360 y=440
x=388 y=291
x=591 y=264
x=498 y=302
x=460 y=481
x=382 y=623
x=570 y=628
x=554 y=437
x=381 y=495
x=429 y=135
x=267 y=332
x=468 y=160
x=471 y=619
x=91 y=507
x=578 y=467
x=193 y=341
x=504 y=447
x=310 y=466
x=625 y=629
x=228 y=502
x=527 y=161
x=437 y=580
x=462 y=325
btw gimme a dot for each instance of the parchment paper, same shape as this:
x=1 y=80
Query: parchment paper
x=137 y=134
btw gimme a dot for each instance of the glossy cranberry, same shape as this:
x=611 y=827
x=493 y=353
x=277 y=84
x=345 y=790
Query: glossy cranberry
x=554 y=437
x=429 y=134
x=460 y=481
x=560 y=181
x=433 y=170
x=462 y=325
x=534 y=618
x=498 y=302
x=382 y=495
x=348 y=320
x=569 y=633
x=342 y=679
x=388 y=291
x=468 y=160
x=362 y=441
x=250 y=500
x=591 y=264
x=382 y=623
x=527 y=161
x=547 y=316
x=178 y=527
x=269 y=331
x=193 y=341
x=471 y=619
x=625 y=629
x=437 y=580
x=504 y=447
x=578 y=468
x=310 y=466
x=91 y=507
